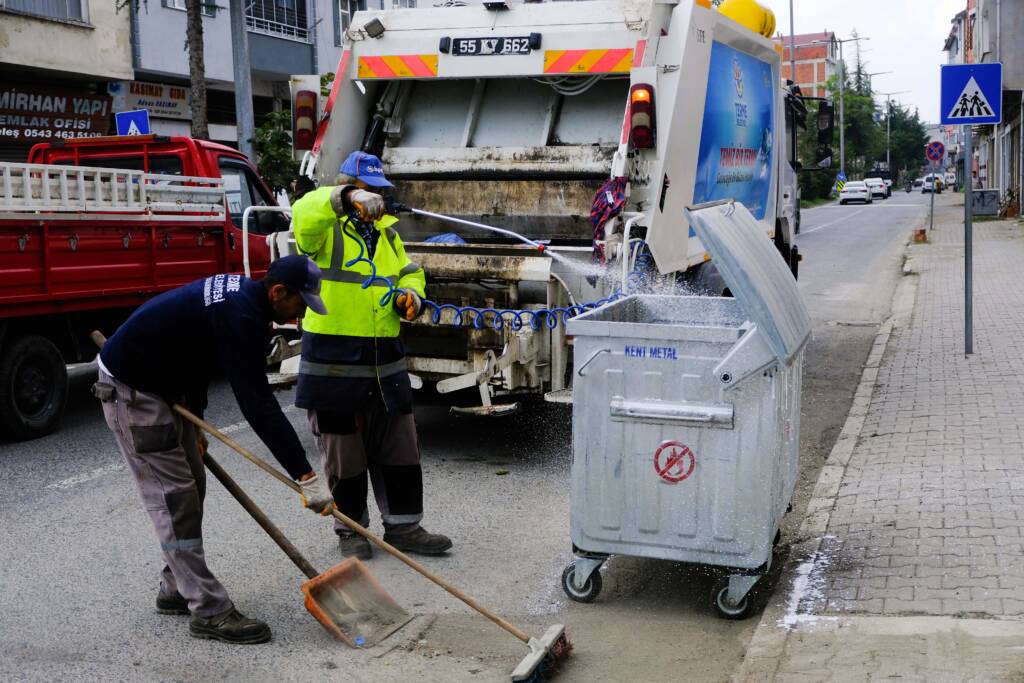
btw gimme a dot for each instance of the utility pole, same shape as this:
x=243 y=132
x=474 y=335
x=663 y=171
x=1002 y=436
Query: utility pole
x=244 y=116
x=792 y=50
x=888 y=127
x=842 y=96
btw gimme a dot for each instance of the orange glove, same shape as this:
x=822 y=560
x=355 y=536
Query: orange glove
x=369 y=205
x=202 y=445
x=408 y=304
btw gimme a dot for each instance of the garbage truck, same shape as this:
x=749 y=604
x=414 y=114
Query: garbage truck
x=583 y=129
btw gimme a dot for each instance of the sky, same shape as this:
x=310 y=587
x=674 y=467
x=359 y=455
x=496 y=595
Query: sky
x=906 y=38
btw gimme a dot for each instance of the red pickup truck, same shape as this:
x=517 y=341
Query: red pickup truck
x=91 y=228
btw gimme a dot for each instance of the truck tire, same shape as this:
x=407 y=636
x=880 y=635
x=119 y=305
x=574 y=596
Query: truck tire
x=33 y=388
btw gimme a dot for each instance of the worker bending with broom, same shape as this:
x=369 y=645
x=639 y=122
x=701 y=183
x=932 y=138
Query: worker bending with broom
x=353 y=376
x=166 y=353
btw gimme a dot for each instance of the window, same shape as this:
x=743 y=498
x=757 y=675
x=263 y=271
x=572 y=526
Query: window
x=343 y=11
x=209 y=8
x=62 y=10
x=163 y=164
x=242 y=191
x=282 y=18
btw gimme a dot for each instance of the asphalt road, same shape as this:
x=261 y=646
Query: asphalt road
x=80 y=562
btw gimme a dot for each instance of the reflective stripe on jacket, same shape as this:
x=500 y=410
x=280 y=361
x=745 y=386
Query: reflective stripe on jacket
x=324 y=233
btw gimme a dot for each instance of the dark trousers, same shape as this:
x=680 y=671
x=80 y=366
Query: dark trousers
x=373 y=445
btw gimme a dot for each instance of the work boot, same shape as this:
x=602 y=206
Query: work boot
x=419 y=541
x=171 y=604
x=354 y=545
x=229 y=627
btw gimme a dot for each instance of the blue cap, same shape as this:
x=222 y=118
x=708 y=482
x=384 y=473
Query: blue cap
x=365 y=167
x=298 y=272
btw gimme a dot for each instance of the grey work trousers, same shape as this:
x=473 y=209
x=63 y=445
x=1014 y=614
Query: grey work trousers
x=378 y=443
x=161 y=452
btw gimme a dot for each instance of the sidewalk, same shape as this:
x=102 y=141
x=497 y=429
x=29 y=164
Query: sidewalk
x=910 y=564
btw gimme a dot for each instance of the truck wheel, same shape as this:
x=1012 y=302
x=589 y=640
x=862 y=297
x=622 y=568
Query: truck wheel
x=33 y=388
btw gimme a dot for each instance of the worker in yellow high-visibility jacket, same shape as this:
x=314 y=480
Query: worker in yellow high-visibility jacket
x=353 y=377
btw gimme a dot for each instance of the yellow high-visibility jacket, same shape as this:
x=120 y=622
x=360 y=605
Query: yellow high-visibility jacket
x=326 y=235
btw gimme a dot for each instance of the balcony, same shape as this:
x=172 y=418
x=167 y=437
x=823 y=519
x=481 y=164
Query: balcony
x=278 y=18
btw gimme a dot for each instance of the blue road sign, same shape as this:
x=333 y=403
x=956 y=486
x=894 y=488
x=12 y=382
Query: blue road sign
x=841 y=177
x=935 y=151
x=135 y=122
x=972 y=93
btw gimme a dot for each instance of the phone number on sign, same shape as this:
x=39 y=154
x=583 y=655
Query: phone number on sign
x=46 y=133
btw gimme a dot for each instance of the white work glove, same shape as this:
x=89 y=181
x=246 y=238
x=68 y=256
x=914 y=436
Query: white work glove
x=369 y=205
x=316 y=496
x=408 y=304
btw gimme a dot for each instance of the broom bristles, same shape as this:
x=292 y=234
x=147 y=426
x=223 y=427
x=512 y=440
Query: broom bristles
x=557 y=654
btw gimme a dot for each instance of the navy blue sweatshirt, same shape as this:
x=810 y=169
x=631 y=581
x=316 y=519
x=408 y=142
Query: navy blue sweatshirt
x=176 y=342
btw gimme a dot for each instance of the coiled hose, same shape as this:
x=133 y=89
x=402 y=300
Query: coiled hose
x=498 y=318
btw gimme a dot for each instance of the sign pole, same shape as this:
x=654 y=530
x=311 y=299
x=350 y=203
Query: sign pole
x=931 y=211
x=970 y=94
x=968 y=245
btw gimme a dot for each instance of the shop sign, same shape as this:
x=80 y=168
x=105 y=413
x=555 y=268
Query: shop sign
x=161 y=101
x=38 y=114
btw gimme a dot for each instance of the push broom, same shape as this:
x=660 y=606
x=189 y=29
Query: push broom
x=546 y=653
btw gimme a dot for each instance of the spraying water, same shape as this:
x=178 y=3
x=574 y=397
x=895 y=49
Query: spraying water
x=501 y=231
x=498 y=318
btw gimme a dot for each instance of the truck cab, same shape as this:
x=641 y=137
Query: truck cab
x=90 y=229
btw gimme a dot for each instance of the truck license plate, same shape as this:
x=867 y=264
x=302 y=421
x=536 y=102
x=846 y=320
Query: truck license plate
x=477 y=47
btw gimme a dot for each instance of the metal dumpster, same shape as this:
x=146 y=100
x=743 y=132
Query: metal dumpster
x=686 y=418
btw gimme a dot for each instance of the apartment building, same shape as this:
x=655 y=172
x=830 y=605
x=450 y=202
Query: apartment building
x=56 y=59
x=816 y=60
x=137 y=58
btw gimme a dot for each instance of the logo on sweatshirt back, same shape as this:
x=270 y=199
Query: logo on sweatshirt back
x=215 y=288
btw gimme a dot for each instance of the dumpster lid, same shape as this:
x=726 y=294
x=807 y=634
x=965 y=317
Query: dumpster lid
x=754 y=272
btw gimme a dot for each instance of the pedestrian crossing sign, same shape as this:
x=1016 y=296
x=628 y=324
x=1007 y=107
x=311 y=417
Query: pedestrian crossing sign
x=135 y=122
x=972 y=94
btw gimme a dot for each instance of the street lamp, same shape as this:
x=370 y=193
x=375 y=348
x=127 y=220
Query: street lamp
x=888 y=127
x=876 y=73
x=842 y=95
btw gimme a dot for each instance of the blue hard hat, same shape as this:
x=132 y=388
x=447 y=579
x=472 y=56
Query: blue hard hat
x=365 y=167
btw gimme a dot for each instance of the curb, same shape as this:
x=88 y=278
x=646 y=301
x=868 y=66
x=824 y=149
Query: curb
x=767 y=645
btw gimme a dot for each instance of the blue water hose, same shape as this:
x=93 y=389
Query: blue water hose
x=498 y=318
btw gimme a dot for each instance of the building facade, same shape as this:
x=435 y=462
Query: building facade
x=137 y=58
x=988 y=31
x=56 y=59
x=816 y=60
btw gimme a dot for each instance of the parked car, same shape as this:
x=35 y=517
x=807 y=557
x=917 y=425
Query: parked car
x=950 y=179
x=932 y=182
x=877 y=187
x=855 y=191
x=918 y=182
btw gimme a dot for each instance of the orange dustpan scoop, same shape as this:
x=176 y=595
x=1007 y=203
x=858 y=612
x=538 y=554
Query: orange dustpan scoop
x=352 y=605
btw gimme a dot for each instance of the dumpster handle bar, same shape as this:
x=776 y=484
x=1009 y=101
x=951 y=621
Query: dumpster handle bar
x=587 y=362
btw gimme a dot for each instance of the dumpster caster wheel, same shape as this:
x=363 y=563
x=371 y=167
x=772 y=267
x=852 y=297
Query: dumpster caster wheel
x=720 y=601
x=591 y=589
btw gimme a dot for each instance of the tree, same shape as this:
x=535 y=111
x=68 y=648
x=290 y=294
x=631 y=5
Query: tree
x=197 y=68
x=196 y=62
x=907 y=139
x=273 y=145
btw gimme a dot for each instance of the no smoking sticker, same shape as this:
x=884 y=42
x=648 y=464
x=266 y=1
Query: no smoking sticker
x=674 y=461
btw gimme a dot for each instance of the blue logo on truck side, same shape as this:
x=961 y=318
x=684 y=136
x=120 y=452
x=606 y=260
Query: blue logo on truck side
x=735 y=157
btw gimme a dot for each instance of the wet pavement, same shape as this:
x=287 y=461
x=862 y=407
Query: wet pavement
x=80 y=561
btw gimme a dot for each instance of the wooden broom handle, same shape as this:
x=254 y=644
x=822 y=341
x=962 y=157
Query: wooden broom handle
x=99 y=339
x=354 y=526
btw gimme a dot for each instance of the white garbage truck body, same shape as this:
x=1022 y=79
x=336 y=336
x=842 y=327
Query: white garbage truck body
x=514 y=116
